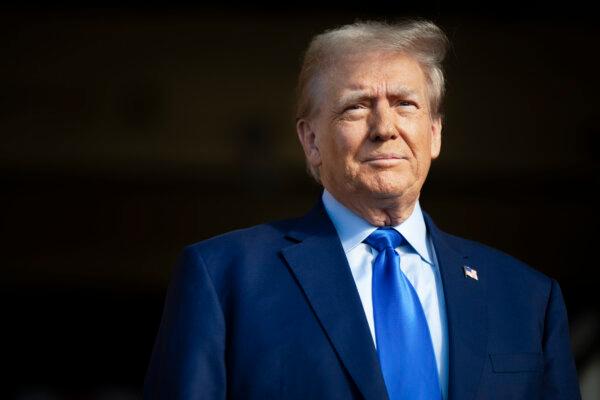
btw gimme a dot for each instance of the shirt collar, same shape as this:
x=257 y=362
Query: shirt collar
x=353 y=229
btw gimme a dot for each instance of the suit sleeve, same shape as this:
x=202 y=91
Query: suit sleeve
x=560 y=375
x=188 y=360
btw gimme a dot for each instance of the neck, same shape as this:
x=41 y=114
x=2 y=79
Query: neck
x=380 y=211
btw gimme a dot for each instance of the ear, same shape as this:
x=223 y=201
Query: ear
x=436 y=137
x=308 y=139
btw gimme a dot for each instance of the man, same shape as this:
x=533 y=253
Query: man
x=363 y=297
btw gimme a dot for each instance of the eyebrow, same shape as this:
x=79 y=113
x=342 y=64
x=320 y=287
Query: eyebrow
x=359 y=93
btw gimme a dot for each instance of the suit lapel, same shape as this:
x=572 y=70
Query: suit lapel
x=466 y=315
x=321 y=268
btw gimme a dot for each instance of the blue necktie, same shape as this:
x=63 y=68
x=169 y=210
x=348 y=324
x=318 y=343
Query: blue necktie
x=403 y=341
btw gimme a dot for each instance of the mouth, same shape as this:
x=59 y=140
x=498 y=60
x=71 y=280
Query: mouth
x=384 y=160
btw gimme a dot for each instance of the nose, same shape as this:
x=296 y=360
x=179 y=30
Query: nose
x=382 y=124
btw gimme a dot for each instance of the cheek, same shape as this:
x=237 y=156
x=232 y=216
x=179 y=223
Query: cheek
x=347 y=140
x=420 y=140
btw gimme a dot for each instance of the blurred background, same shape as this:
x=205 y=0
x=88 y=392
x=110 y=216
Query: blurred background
x=127 y=132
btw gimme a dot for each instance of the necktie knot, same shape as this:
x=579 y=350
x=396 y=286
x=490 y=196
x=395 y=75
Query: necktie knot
x=383 y=238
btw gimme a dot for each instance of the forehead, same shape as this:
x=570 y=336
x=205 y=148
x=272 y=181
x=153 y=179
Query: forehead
x=374 y=72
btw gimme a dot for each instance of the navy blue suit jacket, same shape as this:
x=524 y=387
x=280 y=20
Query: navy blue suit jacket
x=272 y=312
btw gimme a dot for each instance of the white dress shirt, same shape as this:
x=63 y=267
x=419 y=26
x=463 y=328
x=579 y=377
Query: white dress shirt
x=417 y=261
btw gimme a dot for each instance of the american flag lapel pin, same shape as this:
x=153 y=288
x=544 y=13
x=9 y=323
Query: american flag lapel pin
x=470 y=272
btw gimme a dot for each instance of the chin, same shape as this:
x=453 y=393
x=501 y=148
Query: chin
x=386 y=191
x=383 y=186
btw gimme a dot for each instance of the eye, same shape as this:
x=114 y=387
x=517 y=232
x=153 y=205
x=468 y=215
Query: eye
x=353 y=111
x=354 y=107
x=406 y=103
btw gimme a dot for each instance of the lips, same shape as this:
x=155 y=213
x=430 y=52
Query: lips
x=384 y=156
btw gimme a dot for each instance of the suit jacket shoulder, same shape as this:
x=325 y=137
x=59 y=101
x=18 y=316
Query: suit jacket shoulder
x=506 y=271
x=239 y=258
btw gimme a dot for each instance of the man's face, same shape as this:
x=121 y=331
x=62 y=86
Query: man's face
x=373 y=132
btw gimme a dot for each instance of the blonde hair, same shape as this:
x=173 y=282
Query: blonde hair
x=422 y=40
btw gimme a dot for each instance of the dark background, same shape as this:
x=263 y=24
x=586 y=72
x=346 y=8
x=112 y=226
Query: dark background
x=130 y=131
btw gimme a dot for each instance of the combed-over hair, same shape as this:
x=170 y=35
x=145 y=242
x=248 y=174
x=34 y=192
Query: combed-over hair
x=420 y=39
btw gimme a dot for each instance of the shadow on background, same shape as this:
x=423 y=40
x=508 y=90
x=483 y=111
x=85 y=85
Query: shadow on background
x=127 y=133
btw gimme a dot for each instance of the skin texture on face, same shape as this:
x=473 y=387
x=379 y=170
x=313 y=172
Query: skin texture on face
x=373 y=137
